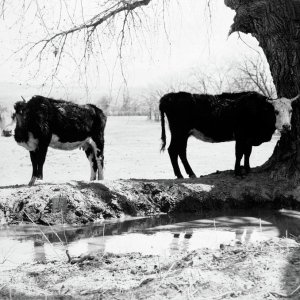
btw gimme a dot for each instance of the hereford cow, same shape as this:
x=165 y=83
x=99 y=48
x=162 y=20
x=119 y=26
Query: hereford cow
x=6 y=123
x=249 y=118
x=42 y=122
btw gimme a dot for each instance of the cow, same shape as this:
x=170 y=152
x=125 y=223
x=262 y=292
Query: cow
x=6 y=123
x=44 y=122
x=249 y=118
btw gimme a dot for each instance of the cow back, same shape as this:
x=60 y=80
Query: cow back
x=69 y=121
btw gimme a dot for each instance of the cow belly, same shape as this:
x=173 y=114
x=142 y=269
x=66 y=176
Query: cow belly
x=201 y=136
x=31 y=143
x=217 y=138
x=57 y=144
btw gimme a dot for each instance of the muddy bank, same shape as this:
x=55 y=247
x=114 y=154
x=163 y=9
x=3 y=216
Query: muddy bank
x=83 y=202
x=266 y=270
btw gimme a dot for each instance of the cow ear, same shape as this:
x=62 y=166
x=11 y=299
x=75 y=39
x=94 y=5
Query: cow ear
x=295 y=98
x=231 y=30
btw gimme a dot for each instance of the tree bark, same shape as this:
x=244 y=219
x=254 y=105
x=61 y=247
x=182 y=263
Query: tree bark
x=276 y=26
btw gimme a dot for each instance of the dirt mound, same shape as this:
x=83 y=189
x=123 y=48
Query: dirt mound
x=259 y=271
x=83 y=202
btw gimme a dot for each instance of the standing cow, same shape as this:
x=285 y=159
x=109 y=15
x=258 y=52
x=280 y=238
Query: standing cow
x=249 y=118
x=42 y=122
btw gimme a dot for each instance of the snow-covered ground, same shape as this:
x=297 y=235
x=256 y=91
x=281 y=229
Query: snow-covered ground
x=132 y=150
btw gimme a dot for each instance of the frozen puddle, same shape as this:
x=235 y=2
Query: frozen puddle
x=161 y=235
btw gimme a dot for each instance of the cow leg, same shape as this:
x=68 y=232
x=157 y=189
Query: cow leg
x=33 y=158
x=239 y=152
x=182 y=155
x=247 y=153
x=173 y=153
x=37 y=159
x=41 y=157
x=99 y=154
x=89 y=151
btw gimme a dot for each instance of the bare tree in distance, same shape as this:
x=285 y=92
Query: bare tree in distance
x=200 y=81
x=151 y=100
x=104 y=103
x=254 y=75
x=216 y=81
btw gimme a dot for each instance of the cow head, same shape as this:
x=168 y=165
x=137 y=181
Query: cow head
x=7 y=123
x=283 y=112
x=20 y=115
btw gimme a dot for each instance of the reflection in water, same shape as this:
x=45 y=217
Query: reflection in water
x=160 y=235
x=39 y=251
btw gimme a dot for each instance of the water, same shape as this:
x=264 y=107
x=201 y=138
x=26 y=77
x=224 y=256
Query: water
x=159 y=235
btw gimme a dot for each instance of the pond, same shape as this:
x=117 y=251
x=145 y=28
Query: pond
x=158 y=235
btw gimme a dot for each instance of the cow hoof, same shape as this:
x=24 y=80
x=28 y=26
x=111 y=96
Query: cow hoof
x=193 y=176
x=100 y=176
x=32 y=181
x=35 y=180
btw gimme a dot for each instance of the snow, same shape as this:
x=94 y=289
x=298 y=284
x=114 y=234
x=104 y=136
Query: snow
x=132 y=150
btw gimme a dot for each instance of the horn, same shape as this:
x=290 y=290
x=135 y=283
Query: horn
x=230 y=32
x=23 y=98
x=295 y=98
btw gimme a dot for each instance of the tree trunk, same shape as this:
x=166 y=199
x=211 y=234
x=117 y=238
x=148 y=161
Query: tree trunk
x=276 y=26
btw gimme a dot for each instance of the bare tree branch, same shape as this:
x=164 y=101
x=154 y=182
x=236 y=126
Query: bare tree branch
x=256 y=72
x=108 y=14
x=94 y=22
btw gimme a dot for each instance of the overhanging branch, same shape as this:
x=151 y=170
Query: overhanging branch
x=93 y=23
x=113 y=10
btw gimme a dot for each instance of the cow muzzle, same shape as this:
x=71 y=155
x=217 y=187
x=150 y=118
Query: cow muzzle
x=286 y=127
x=7 y=132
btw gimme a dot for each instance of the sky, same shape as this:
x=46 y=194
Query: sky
x=165 y=47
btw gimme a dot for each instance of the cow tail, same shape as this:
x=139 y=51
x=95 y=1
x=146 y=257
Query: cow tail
x=163 y=129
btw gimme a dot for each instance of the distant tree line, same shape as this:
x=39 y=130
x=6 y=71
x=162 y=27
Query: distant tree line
x=248 y=75
x=251 y=74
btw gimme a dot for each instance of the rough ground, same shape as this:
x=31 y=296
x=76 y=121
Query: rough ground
x=83 y=202
x=267 y=270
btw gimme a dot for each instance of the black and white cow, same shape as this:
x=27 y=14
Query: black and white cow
x=43 y=122
x=249 y=118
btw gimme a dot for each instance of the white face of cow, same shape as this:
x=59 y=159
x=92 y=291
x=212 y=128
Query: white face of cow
x=7 y=123
x=283 y=111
